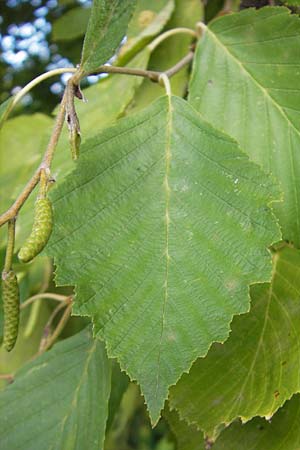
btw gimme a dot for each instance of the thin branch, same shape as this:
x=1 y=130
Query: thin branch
x=9 y=377
x=53 y=315
x=10 y=245
x=14 y=209
x=151 y=74
x=46 y=163
x=49 y=295
x=59 y=122
x=180 y=30
x=183 y=62
x=61 y=324
x=37 y=80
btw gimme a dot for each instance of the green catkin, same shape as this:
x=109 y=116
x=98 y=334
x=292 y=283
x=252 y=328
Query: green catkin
x=11 y=308
x=41 y=230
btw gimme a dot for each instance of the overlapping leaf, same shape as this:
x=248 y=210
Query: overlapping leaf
x=161 y=227
x=282 y=433
x=60 y=400
x=148 y=20
x=187 y=437
x=169 y=52
x=246 y=82
x=258 y=368
x=20 y=154
x=106 y=28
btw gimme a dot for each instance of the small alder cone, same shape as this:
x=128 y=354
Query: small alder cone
x=41 y=230
x=11 y=308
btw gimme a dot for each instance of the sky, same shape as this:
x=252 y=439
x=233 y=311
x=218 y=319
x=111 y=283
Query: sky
x=26 y=40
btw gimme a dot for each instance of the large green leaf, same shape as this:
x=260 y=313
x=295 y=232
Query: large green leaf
x=244 y=81
x=59 y=401
x=148 y=20
x=165 y=223
x=257 y=369
x=282 y=433
x=106 y=28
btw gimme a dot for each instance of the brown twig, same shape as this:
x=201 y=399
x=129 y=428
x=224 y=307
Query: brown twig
x=12 y=212
x=9 y=377
x=151 y=74
x=10 y=245
x=49 y=341
x=183 y=62
x=46 y=162
x=49 y=295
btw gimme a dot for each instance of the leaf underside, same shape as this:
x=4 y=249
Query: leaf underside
x=258 y=368
x=165 y=223
x=246 y=82
x=60 y=400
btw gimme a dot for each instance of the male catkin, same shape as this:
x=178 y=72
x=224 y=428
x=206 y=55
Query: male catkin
x=11 y=309
x=41 y=230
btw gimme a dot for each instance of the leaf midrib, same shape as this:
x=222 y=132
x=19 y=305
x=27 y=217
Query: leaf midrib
x=167 y=230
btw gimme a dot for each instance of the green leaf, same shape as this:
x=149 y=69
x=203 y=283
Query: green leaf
x=5 y=109
x=21 y=152
x=147 y=218
x=119 y=382
x=245 y=82
x=103 y=108
x=148 y=20
x=188 y=437
x=281 y=433
x=71 y=25
x=169 y=52
x=257 y=369
x=106 y=28
x=60 y=400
